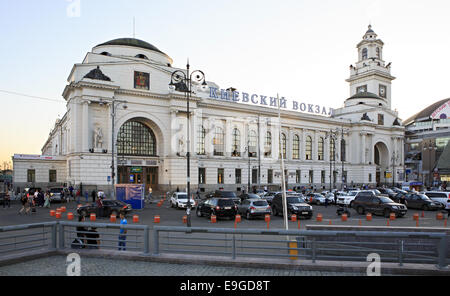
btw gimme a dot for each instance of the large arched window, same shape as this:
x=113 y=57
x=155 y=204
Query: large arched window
x=137 y=139
x=308 y=148
x=236 y=143
x=332 y=149
x=218 y=141
x=268 y=145
x=296 y=147
x=283 y=148
x=364 y=54
x=320 y=154
x=201 y=140
x=252 y=144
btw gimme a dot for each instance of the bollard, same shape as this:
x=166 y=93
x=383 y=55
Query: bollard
x=238 y=218
x=184 y=219
x=293 y=218
x=416 y=217
x=445 y=222
x=267 y=219
x=319 y=217
x=113 y=218
x=369 y=217
x=344 y=217
x=213 y=218
x=417 y=222
x=69 y=216
x=159 y=204
x=58 y=215
x=360 y=222
x=423 y=214
x=135 y=219
x=93 y=217
x=63 y=209
x=439 y=216
x=157 y=219
x=298 y=221
x=387 y=224
x=329 y=223
x=392 y=216
x=52 y=213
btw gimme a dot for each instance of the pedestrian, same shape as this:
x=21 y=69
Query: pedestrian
x=7 y=200
x=78 y=195
x=326 y=201
x=335 y=197
x=31 y=204
x=402 y=200
x=123 y=232
x=100 y=206
x=86 y=195
x=47 y=200
x=150 y=191
x=80 y=240
x=178 y=189
x=24 y=202
x=41 y=198
x=93 y=195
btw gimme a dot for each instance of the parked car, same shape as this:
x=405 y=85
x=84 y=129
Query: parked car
x=440 y=196
x=422 y=202
x=179 y=200
x=57 y=194
x=220 y=207
x=224 y=194
x=295 y=205
x=367 y=202
x=269 y=196
x=110 y=207
x=255 y=207
x=347 y=199
x=389 y=192
x=318 y=199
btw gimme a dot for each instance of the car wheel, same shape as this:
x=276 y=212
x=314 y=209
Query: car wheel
x=248 y=216
x=360 y=210
x=199 y=213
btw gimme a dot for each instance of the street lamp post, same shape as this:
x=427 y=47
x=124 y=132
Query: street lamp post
x=332 y=135
x=182 y=81
x=430 y=146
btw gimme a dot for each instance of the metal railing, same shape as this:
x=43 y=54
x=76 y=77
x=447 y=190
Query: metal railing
x=314 y=245
x=400 y=247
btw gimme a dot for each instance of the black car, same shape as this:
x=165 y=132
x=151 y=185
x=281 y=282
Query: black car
x=389 y=192
x=110 y=207
x=295 y=205
x=219 y=207
x=422 y=202
x=225 y=194
x=368 y=202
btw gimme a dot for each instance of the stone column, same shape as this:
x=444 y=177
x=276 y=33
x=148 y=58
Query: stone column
x=363 y=148
x=85 y=129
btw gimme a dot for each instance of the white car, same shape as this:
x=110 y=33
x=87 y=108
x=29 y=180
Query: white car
x=440 y=196
x=179 y=200
x=348 y=198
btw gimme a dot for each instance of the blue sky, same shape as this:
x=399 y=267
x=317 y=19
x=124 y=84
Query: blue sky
x=300 y=49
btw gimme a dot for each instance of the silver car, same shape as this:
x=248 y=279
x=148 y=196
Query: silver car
x=254 y=208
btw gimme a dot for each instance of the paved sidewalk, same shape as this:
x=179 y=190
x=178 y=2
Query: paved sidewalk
x=56 y=266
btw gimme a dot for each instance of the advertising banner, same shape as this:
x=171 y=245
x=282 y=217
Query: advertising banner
x=132 y=194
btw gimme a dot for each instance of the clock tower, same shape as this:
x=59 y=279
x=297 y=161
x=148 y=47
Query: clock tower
x=370 y=77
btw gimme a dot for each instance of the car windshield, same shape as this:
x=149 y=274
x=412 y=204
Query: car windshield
x=253 y=196
x=225 y=202
x=227 y=194
x=182 y=196
x=390 y=191
x=385 y=199
x=260 y=203
x=352 y=193
x=56 y=190
x=294 y=199
x=376 y=191
x=423 y=197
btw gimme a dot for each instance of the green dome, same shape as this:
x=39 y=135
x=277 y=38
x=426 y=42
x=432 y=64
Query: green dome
x=365 y=95
x=132 y=42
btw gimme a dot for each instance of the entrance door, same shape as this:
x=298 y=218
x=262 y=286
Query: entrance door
x=151 y=178
x=378 y=178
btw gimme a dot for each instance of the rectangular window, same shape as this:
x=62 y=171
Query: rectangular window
x=201 y=132
x=370 y=178
x=311 y=177
x=269 y=176
x=238 y=176
x=254 y=176
x=31 y=176
x=220 y=176
x=297 y=176
x=52 y=176
x=322 y=177
x=380 y=119
x=201 y=176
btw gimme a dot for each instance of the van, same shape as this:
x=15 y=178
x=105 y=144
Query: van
x=440 y=196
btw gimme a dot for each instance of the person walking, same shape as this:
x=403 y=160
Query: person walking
x=78 y=195
x=150 y=191
x=100 y=206
x=47 y=200
x=24 y=202
x=93 y=195
x=123 y=232
x=30 y=203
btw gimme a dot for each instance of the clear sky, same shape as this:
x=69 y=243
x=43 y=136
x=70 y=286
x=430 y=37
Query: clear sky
x=300 y=49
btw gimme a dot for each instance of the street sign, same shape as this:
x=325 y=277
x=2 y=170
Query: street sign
x=131 y=178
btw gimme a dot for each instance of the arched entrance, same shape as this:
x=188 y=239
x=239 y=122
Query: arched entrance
x=381 y=159
x=137 y=153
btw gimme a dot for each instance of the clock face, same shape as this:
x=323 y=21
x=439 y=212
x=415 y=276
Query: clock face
x=382 y=91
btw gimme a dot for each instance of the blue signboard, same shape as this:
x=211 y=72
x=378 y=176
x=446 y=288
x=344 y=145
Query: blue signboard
x=132 y=194
x=131 y=178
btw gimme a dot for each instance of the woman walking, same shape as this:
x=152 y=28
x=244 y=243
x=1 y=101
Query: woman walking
x=47 y=200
